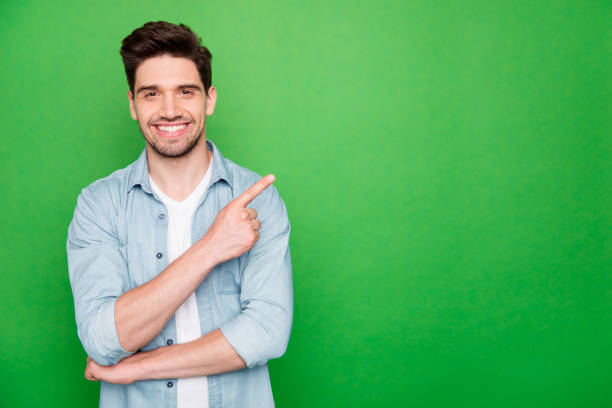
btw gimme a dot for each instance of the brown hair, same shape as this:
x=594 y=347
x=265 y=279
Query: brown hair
x=157 y=38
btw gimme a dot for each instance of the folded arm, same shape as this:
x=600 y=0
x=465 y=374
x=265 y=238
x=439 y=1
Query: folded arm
x=258 y=333
x=208 y=355
x=113 y=321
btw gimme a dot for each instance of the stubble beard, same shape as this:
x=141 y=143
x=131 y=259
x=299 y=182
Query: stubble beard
x=173 y=150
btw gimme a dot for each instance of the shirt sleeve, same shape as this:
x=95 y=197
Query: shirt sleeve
x=261 y=330
x=98 y=276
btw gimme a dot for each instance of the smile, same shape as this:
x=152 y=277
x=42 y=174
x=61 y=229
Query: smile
x=171 y=131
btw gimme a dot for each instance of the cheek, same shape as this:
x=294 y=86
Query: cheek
x=195 y=108
x=144 y=115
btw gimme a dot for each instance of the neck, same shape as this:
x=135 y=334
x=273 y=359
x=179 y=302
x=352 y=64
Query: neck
x=179 y=176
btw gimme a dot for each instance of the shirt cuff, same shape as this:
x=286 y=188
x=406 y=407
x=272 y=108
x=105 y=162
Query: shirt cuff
x=105 y=338
x=246 y=336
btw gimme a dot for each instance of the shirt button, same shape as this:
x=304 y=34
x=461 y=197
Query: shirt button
x=169 y=384
x=169 y=342
x=161 y=216
x=159 y=255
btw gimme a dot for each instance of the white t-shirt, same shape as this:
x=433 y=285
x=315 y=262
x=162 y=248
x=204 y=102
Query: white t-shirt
x=191 y=392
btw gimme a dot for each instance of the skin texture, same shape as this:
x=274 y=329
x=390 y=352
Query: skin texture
x=177 y=164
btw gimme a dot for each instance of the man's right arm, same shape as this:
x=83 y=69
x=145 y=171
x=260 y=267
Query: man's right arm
x=142 y=312
x=98 y=275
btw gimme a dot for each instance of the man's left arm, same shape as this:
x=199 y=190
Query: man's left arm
x=207 y=355
x=258 y=333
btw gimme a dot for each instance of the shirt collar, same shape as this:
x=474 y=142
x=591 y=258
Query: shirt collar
x=139 y=175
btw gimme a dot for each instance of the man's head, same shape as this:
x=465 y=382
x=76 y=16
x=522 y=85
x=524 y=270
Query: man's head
x=158 y=38
x=170 y=94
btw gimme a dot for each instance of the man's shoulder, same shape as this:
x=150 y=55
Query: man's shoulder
x=242 y=176
x=99 y=206
x=112 y=187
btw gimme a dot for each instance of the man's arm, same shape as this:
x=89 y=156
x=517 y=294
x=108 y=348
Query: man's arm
x=141 y=313
x=207 y=355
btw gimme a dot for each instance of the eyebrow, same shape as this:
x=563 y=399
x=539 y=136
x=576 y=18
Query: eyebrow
x=156 y=87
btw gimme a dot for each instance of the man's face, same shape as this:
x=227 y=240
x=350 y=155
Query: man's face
x=170 y=104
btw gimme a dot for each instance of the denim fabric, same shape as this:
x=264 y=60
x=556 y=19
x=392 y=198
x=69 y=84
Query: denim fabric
x=117 y=241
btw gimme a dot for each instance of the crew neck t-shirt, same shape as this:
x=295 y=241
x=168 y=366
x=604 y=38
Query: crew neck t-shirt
x=191 y=392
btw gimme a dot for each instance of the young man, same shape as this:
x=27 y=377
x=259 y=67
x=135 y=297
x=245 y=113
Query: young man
x=179 y=263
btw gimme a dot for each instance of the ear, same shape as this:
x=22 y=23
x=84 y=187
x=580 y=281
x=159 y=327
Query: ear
x=132 y=107
x=211 y=100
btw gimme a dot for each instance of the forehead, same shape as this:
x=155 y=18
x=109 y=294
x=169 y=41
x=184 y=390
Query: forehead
x=166 y=70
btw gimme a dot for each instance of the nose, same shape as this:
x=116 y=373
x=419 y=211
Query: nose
x=169 y=109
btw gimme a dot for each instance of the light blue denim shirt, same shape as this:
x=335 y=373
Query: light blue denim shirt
x=117 y=241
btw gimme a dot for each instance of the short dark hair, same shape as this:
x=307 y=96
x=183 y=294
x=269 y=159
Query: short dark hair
x=157 y=38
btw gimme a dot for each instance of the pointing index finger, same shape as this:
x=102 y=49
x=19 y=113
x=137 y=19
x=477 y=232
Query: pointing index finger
x=250 y=193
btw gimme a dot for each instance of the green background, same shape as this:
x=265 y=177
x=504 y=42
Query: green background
x=446 y=167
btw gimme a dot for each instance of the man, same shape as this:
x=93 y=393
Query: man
x=179 y=263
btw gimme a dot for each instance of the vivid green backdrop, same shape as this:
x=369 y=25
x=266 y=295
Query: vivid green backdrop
x=446 y=166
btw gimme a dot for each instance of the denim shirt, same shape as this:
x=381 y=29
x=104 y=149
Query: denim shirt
x=117 y=241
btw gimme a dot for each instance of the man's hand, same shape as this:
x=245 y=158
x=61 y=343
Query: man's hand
x=235 y=229
x=91 y=367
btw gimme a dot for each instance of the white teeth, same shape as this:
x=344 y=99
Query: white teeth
x=171 y=128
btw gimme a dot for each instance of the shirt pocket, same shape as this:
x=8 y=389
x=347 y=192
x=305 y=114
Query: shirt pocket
x=228 y=277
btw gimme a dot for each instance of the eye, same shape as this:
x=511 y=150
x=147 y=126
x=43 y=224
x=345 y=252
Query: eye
x=187 y=92
x=148 y=94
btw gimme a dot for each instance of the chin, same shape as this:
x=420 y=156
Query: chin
x=174 y=151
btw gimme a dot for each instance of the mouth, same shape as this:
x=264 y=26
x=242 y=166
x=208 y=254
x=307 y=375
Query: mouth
x=171 y=131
